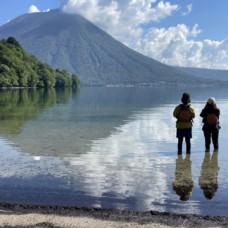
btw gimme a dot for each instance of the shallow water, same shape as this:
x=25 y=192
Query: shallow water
x=109 y=147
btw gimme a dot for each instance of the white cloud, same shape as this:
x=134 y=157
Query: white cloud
x=189 y=10
x=122 y=18
x=33 y=9
x=176 y=46
x=130 y=21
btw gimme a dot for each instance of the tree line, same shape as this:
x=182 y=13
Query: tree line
x=20 y=69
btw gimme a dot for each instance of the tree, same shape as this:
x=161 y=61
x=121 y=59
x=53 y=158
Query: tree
x=18 y=68
x=75 y=80
x=12 y=40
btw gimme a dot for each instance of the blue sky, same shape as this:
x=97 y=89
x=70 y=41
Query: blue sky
x=211 y=15
x=9 y=9
x=176 y=32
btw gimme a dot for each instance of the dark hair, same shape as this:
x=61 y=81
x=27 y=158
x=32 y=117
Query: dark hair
x=185 y=98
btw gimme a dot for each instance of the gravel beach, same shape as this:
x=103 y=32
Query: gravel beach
x=15 y=215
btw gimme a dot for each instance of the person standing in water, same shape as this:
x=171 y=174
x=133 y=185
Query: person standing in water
x=210 y=115
x=184 y=113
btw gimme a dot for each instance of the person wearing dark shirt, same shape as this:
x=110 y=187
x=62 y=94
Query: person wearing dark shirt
x=211 y=126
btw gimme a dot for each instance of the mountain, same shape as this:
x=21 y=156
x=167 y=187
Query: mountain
x=206 y=73
x=68 y=41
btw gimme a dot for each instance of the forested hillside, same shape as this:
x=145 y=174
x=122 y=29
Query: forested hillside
x=20 y=69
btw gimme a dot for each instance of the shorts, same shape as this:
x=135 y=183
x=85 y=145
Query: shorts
x=184 y=133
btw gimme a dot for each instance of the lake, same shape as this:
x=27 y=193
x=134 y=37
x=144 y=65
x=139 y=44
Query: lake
x=109 y=148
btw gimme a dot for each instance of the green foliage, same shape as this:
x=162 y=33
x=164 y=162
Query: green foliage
x=20 y=105
x=75 y=80
x=19 y=69
x=62 y=79
x=12 y=40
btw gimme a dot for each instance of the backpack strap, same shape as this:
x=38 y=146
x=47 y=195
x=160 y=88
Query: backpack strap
x=184 y=107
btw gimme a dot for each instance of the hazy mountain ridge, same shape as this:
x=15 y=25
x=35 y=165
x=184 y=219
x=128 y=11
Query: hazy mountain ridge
x=206 y=73
x=68 y=41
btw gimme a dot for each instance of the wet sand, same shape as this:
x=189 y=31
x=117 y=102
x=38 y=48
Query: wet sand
x=15 y=215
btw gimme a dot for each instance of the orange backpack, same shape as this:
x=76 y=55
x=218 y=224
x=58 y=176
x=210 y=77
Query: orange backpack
x=212 y=119
x=185 y=114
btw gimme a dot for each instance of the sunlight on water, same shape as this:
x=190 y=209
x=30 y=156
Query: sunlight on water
x=112 y=148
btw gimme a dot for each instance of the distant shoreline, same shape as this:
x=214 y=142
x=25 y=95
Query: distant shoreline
x=153 y=85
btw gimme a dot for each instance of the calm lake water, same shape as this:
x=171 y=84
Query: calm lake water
x=109 y=148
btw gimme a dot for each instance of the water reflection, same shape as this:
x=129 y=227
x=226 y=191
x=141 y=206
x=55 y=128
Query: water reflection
x=183 y=183
x=71 y=128
x=107 y=148
x=208 y=180
x=129 y=164
x=20 y=105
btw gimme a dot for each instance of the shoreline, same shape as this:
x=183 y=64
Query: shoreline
x=27 y=215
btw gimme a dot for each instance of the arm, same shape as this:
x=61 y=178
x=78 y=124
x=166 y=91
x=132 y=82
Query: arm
x=203 y=113
x=176 y=112
x=192 y=111
x=217 y=112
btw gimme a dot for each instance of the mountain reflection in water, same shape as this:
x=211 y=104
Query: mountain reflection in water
x=108 y=147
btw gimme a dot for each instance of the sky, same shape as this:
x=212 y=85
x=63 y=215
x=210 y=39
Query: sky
x=190 y=33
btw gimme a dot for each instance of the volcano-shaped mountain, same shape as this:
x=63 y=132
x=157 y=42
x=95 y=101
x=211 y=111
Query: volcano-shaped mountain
x=68 y=41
